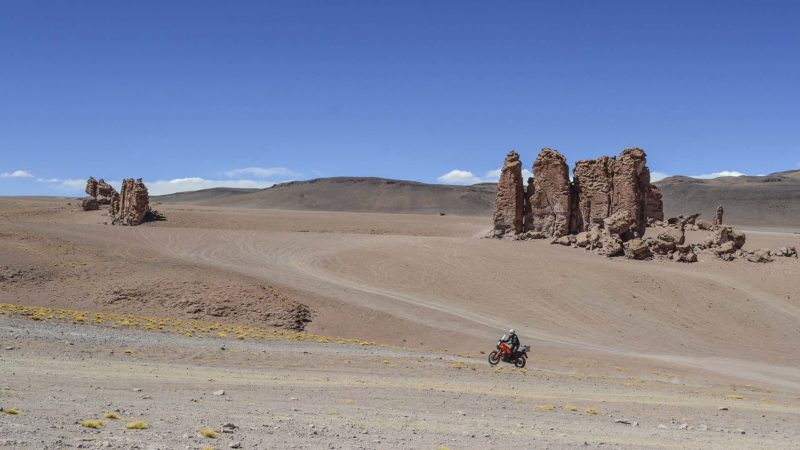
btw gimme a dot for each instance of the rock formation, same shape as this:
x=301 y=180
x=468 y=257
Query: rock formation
x=509 y=208
x=550 y=204
x=101 y=191
x=718 y=217
x=91 y=187
x=631 y=184
x=132 y=204
x=593 y=185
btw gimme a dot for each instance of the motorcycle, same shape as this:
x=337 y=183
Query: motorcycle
x=504 y=353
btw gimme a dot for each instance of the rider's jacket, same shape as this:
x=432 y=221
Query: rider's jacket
x=512 y=341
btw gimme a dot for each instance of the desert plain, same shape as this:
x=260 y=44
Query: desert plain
x=226 y=327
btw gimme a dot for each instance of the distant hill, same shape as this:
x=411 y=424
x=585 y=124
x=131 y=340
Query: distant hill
x=356 y=194
x=759 y=201
x=771 y=201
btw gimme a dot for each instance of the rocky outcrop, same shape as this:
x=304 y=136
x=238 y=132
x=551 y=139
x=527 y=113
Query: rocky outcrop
x=509 y=206
x=91 y=187
x=718 y=216
x=132 y=204
x=551 y=200
x=100 y=191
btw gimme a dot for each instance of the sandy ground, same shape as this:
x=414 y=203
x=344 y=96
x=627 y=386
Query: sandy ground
x=656 y=342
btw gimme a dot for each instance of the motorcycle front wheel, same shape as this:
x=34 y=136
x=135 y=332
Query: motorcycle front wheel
x=494 y=358
x=519 y=362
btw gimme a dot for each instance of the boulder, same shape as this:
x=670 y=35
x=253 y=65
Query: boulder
x=689 y=257
x=788 y=252
x=612 y=246
x=761 y=255
x=563 y=240
x=89 y=204
x=131 y=205
x=726 y=247
x=675 y=235
x=582 y=239
x=637 y=249
x=550 y=203
x=509 y=205
x=703 y=224
x=620 y=223
x=724 y=233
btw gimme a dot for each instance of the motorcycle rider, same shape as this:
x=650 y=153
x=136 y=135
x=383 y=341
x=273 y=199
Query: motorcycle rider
x=511 y=339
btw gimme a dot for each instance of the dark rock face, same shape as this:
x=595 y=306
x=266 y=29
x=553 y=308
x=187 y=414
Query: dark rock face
x=551 y=200
x=509 y=208
x=527 y=222
x=132 y=204
x=654 y=205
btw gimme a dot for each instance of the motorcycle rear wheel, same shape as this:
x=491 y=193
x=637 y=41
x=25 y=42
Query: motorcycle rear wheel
x=494 y=358
x=519 y=362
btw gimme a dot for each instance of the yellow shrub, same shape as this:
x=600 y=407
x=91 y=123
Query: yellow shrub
x=92 y=423
x=111 y=415
x=137 y=425
x=570 y=408
x=208 y=433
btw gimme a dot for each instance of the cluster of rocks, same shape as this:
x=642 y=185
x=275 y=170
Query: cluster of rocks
x=131 y=206
x=608 y=202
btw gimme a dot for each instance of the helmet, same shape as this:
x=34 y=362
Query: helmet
x=512 y=332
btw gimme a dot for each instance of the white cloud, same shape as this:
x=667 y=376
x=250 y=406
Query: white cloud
x=163 y=187
x=658 y=176
x=260 y=172
x=459 y=177
x=466 y=177
x=724 y=173
x=17 y=174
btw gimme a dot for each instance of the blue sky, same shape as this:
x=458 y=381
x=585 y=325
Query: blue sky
x=251 y=93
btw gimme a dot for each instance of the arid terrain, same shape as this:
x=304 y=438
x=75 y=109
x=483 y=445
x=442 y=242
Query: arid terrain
x=397 y=312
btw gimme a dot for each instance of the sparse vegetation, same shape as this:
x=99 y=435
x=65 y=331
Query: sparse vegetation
x=92 y=423
x=208 y=433
x=137 y=425
x=10 y=411
x=189 y=328
x=111 y=415
x=734 y=397
x=590 y=411
x=570 y=408
x=545 y=407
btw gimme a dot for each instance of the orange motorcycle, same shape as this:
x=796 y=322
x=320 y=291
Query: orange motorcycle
x=504 y=353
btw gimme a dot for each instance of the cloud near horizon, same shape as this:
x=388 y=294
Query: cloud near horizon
x=465 y=177
x=658 y=176
x=261 y=172
x=17 y=174
x=163 y=187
